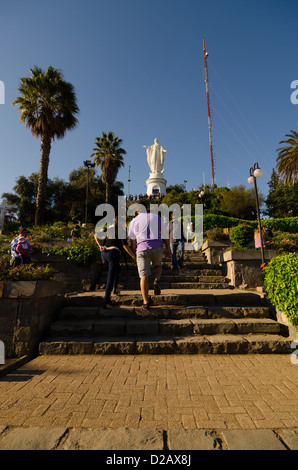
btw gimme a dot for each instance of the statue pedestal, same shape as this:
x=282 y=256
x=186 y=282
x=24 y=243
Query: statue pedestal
x=156 y=184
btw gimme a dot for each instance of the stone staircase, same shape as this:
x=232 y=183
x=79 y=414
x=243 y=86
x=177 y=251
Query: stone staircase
x=196 y=274
x=196 y=313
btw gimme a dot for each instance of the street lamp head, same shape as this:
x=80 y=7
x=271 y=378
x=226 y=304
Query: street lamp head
x=250 y=180
x=88 y=164
x=258 y=172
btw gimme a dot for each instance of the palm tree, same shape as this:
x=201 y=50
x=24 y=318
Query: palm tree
x=109 y=155
x=287 y=160
x=48 y=107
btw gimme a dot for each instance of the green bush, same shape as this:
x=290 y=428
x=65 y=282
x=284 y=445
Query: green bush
x=287 y=224
x=242 y=235
x=81 y=255
x=281 y=281
x=216 y=233
x=26 y=272
x=221 y=221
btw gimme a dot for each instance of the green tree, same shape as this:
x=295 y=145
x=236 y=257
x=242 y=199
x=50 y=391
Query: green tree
x=109 y=155
x=24 y=196
x=47 y=104
x=240 y=202
x=282 y=199
x=65 y=200
x=287 y=160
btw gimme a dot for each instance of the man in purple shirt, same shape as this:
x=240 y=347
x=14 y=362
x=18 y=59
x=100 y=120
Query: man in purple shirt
x=147 y=232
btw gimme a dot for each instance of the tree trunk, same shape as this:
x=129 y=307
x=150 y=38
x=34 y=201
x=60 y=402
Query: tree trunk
x=108 y=191
x=45 y=149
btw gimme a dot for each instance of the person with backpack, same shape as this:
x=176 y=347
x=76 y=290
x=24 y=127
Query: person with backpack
x=21 y=249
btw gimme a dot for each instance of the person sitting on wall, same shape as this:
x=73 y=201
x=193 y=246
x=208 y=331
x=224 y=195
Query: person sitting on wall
x=20 y=249
x=76 y=232
x=260 y=239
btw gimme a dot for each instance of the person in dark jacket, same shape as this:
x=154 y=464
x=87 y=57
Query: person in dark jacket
x=111 y=248
x=177 y=240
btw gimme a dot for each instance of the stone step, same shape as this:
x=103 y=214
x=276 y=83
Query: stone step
x=190 y=266
x=134 y=299
x=168 y=280
x=167 y=327
x=223 y=284
x=207 y=344
x=166 y=311
x=173 y=277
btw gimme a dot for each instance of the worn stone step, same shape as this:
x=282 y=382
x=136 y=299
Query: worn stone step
x=201 y=265
x=215 y=344
x=168 y=327
x=176 y=285
x=170 y=277
x=218 y=284
x=229 y=299
x=165 y=311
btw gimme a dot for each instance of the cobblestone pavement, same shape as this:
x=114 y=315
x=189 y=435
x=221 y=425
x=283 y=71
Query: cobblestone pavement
x=165 y=394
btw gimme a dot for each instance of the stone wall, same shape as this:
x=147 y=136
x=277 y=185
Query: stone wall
x=212 y=249
x=243 y=268
x=26 y=311
x=27 y=308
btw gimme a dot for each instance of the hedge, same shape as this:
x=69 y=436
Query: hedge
x=288 y=224
x=281 y=281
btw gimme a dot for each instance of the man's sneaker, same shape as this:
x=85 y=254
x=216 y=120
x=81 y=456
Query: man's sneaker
x=156 y=287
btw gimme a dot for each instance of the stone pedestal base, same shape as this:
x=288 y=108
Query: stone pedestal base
x=156 y=184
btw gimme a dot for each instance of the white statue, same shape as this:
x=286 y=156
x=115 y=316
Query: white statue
x=3 y=208
x=155 y=157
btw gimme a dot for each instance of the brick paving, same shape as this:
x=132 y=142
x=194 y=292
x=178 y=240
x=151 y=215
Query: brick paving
x=164 y=392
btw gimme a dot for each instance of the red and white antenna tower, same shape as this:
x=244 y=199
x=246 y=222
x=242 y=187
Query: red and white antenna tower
x=209 y=114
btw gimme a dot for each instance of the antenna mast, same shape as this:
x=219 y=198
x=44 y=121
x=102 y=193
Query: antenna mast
x=129 y=180
x=208 y=108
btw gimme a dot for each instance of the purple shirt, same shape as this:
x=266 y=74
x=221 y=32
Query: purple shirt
x=146 y=229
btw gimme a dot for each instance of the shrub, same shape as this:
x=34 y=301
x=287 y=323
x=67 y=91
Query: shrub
x=81 y=255
x=287 y=224
x=216 y=234
x=281 y=281
x=242 y=235
x=26 y=272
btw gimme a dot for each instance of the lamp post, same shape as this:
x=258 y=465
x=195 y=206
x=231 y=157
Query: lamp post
x=201 y=194
x=88 y=164
x=185 y=181
x=256 y=172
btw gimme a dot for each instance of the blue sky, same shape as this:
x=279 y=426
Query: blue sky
x=137 y=68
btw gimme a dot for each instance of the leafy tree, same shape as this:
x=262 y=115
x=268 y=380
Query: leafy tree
x=65 y=200
x=287 y=160
x=24 y=196
x=109 y=155
x=240 y=202
x=47 y=104
x=178 y=188
x=282 y=199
